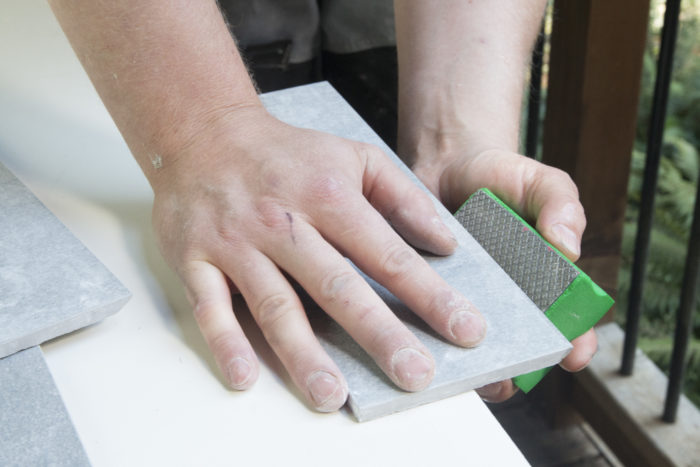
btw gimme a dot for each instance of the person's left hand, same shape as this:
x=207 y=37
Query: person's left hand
x=536 y=192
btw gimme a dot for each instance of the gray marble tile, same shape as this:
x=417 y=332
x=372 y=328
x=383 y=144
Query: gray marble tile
x=50 y=284
x=35 y=428
x=520 y=338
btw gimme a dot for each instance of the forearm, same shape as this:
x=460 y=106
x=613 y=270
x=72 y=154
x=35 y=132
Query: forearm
x=164 y=69
x=461 y=72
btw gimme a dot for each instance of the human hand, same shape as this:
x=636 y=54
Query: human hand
x=251 y=201
x=536 y=192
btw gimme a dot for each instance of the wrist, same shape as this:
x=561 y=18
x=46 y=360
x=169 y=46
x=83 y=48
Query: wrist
x=183 y=144
x=433 y=152
x=441 y=124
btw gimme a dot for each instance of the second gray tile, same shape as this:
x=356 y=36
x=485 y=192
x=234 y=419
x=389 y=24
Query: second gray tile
x=35 y=428
x=50 y=284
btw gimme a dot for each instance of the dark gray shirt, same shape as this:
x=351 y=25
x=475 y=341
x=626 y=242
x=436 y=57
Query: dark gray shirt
x=339 y=26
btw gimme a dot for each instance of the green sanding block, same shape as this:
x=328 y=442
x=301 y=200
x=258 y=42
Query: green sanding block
x=567 y=296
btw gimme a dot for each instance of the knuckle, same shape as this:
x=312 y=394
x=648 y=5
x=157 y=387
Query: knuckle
x=187 y=258
x=204 y=311
x=272 y=309
x=330 y=188
x=371 y=158
x=272 y=215
x=398 y=260
x=366 y=315
x=368 y=151
x=228 y=233
x=367 y=319
x=177 y=244
x=222 y=345
x=417 y=198
x=335 y=284
x=562 y=178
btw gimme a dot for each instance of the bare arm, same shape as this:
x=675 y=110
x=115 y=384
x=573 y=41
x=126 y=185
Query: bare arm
x=163 y=70
x=461 y=75
x=462 y=68
x=242 y=201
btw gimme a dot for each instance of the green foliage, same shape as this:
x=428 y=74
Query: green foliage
x=673 y=212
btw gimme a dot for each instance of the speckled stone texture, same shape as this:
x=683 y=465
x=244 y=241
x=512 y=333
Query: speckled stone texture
x=520 y=338
x=50 y=284
x=35 y=428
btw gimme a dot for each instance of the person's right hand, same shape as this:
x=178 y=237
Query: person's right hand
x=541 y=194
x=251 y=201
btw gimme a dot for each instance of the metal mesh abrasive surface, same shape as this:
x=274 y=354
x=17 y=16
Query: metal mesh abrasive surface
x=532 y=264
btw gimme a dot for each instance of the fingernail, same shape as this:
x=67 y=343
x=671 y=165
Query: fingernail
x=567 y=238
x=468 y=328
x=412 y=369
x=326 y=391
x=444 y=230
x=239 y=372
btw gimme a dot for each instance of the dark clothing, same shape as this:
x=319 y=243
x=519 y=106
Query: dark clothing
x=349 y=43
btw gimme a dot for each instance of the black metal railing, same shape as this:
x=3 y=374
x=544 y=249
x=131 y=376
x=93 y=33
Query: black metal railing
x=641 y=250
x=651 y=175
x=684 y=317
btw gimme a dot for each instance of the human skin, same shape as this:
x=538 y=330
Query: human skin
x=244 y=202
x=461 y=77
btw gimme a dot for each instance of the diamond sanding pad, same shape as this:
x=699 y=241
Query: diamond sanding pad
x=567 y=296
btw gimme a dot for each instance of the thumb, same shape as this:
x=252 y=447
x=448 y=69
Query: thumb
x=534 y=190
x=553 y=201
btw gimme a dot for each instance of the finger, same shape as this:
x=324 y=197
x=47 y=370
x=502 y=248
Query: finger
x=339 y=290
x=364 y=236
x=497 y=392
x=534 y=190
x=210 y=296
x=551 y=197
x=404 y=205
x=281 y=317
x=585 y=347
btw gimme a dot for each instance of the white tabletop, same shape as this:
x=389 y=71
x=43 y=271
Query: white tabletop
x=141 y=386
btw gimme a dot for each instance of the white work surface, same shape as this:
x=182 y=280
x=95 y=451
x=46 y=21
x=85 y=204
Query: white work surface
x=141 y=387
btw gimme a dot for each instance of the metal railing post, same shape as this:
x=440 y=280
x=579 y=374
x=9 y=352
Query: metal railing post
x=651 y=169
x=684 y=321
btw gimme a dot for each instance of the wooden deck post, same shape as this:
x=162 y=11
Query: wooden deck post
x=594 y=82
